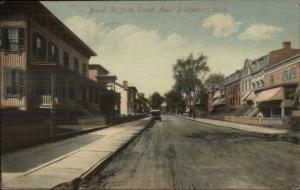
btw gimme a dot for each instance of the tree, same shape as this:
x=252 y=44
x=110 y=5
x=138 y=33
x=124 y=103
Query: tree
x=156 y=100
x=174 y=100
x=189 y=74
x=214 y=79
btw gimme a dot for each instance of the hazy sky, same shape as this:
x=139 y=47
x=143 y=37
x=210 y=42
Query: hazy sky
x=140 y=41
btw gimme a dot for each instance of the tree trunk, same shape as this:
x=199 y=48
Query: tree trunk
x=190 y=105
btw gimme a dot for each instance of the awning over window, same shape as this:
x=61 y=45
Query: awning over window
x=269 y=95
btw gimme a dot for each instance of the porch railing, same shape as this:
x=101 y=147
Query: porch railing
x=50 y=102
x=46 y=101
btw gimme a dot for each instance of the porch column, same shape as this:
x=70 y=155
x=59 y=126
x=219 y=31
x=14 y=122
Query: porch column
x=93 y=95
x=87 y=94
x=271 y=112
x=67 y=94
x=282 y=112
x=52 y=90
x=77 y=93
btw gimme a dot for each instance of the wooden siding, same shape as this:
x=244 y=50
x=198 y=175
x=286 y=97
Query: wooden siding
x=62 y=46
x=13 y=60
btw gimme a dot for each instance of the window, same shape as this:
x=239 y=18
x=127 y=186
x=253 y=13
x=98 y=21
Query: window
x=66 y=59
x=285 y=75
x=272 y=79
x=39 y=48
x=12 y=39
x=2 y=34
x=53 y=54
x=76 y=65
x=14 y=82
x=83 y=69
x=293 y=73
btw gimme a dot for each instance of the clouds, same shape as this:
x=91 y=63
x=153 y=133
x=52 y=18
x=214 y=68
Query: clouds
x=223 y=25
x=258 y=32
x=143 y=57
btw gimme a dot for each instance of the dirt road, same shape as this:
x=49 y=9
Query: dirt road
x=181 y=154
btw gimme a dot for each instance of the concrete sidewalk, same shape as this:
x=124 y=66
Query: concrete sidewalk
x=48 y=165
x=241 y=127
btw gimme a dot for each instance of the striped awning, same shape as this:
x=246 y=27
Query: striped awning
x=269 y=95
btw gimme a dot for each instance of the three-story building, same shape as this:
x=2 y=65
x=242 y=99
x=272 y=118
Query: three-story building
x=43 y=63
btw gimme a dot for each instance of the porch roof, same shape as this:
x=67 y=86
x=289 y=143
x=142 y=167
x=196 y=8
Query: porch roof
x=63 y=74
x=287 y=103
x=269 y=95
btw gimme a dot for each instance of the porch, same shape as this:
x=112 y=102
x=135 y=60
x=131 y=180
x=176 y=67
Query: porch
x=55 y=87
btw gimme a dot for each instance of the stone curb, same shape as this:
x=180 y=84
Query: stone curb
x=289 y=137
x=75 y=183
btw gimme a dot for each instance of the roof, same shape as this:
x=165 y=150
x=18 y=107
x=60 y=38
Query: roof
x=281 y=54
x=133 y=88
x=270 y=95
x=113 y=77
x=43 y=16
x=288 y=60
x=98 y=66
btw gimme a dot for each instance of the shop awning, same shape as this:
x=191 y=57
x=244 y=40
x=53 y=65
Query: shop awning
x=269 y=95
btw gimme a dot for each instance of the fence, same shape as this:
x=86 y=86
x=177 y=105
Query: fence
x=270 y=122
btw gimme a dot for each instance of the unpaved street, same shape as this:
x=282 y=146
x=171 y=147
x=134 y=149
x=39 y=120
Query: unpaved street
x=181 y=154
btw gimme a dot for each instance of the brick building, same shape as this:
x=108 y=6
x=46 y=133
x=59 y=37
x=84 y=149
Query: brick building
x=232 y=91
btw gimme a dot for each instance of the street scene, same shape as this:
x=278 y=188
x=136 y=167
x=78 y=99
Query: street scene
x=181 y=154
x=160 y=95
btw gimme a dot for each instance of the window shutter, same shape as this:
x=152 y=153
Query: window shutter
x=5 y=39
x=49 y=52
x=20 y=82
x=21 y=39
x=56 y=54
x=34 y=48
x=44 y=48
x=8 y=81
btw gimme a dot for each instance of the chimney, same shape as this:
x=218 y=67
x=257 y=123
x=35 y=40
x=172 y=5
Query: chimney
x=286 y=45
x=125 y=83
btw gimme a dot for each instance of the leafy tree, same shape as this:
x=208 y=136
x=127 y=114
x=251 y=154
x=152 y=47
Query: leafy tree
x=174 y=100
x=189 y=74
x=214 y=79
x=156 y=100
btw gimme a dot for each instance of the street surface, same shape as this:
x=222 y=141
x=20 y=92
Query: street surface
x=181 y=154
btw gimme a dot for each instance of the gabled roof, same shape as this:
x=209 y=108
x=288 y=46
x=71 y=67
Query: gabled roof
x=44 y=17
x=97 y=66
